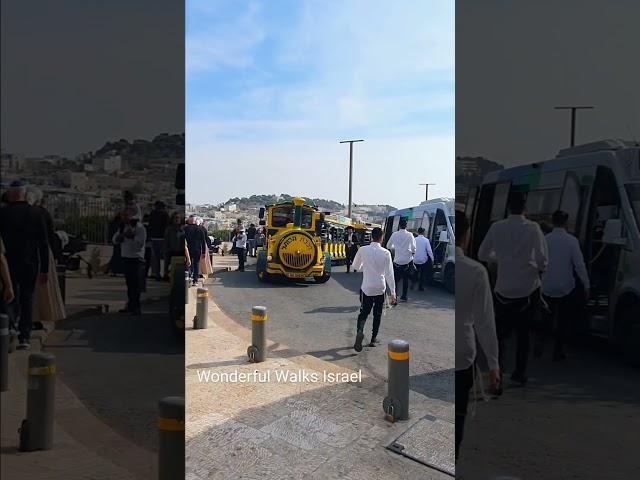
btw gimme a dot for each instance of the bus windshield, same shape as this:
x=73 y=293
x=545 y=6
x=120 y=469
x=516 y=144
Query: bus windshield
x=633 y=190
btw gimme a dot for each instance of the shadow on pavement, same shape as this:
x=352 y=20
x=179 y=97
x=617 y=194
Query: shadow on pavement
x=434 y=384
x=334 y=354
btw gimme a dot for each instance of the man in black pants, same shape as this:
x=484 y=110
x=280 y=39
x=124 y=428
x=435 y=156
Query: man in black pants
x=24 y=233
x=377 y=268
x=351 y=240
x=403 y=243
x=197 y=245
x=132 y=238
x=518 y=247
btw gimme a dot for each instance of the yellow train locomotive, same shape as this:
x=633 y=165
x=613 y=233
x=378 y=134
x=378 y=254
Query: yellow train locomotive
x=293 y=247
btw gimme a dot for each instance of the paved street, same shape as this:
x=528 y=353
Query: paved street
x=111 y=370
x=320 y=320
x=530 y=432
x=315 y=428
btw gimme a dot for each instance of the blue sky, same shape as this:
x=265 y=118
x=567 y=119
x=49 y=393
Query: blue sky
x=271 y=87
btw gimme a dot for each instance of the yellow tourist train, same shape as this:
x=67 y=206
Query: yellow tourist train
x=293 y=246
x=334 y=234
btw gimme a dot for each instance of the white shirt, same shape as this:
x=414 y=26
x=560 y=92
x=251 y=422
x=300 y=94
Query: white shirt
x=132 y=247
x=518 y=247
x=565 y=257
x=423 y=250
x=241 y=240
x=377 y=268
x=404 y=245
x=474 y=315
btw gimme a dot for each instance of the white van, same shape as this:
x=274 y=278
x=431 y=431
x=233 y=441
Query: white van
x=598 y=185
x=437 y=217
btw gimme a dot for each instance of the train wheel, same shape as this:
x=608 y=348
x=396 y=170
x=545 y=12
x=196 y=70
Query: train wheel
x=323 y=279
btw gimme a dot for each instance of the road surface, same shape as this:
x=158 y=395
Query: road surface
x=320 y=319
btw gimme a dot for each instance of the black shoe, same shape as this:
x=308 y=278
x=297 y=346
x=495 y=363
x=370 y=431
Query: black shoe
x=136 y=313
x=124 y=310
x=403 y=299
x=25 y=345
x=358 y=345
x=519 y=378
x=374 y=342
x=421 y=289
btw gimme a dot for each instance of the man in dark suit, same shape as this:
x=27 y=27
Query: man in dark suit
x=351 y=239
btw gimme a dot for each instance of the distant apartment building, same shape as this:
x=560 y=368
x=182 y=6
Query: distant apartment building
x=109 y=164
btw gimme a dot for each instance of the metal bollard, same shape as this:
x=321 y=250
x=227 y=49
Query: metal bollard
x=202 y=309
x=4 y=352
x=396 y=403
x=171 y=438
x=257 y=352
x=36 y=432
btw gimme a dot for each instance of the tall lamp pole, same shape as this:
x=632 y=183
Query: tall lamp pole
x=426 y=190
x=573 y=109
x=350 y=142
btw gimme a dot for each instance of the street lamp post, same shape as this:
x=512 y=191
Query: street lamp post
x=426 y=190
x=573 y=109
x=350 y=142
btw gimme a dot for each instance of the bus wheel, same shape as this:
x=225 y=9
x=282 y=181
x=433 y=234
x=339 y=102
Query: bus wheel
x=323 y=279
x=630 y=334
x=450 y=278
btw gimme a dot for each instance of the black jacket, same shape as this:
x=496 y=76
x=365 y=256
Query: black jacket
x=24 y=233
x=195 y=237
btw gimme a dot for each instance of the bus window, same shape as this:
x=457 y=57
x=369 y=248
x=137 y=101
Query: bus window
x=396 y=222
x=499 y=205
x=425 y=222
x=471 y=202
x=571 y=201
x=542 y=203
x=633 y=190
x=439 y=226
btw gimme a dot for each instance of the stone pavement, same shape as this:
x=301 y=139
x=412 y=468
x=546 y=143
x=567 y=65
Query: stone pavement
x=84 y=447
x=287 y=430
x=69 y=459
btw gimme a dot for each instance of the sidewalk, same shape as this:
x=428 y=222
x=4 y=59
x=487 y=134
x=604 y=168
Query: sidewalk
x=307 y=429
x=228 y=262
x=84 y=447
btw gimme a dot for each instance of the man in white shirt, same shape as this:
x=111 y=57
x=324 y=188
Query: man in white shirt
x=423 y=259
x=377 y=272
x=132 y=237
x=518 y=248
x=403 y=243
x=474 y=319
x=558 y=283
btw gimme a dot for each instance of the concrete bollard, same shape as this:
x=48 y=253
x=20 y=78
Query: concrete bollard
x=36 y=432
x=202 y=309
x=257 y=352
x=396 y=403
x=4 y=352
x=171 y=438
